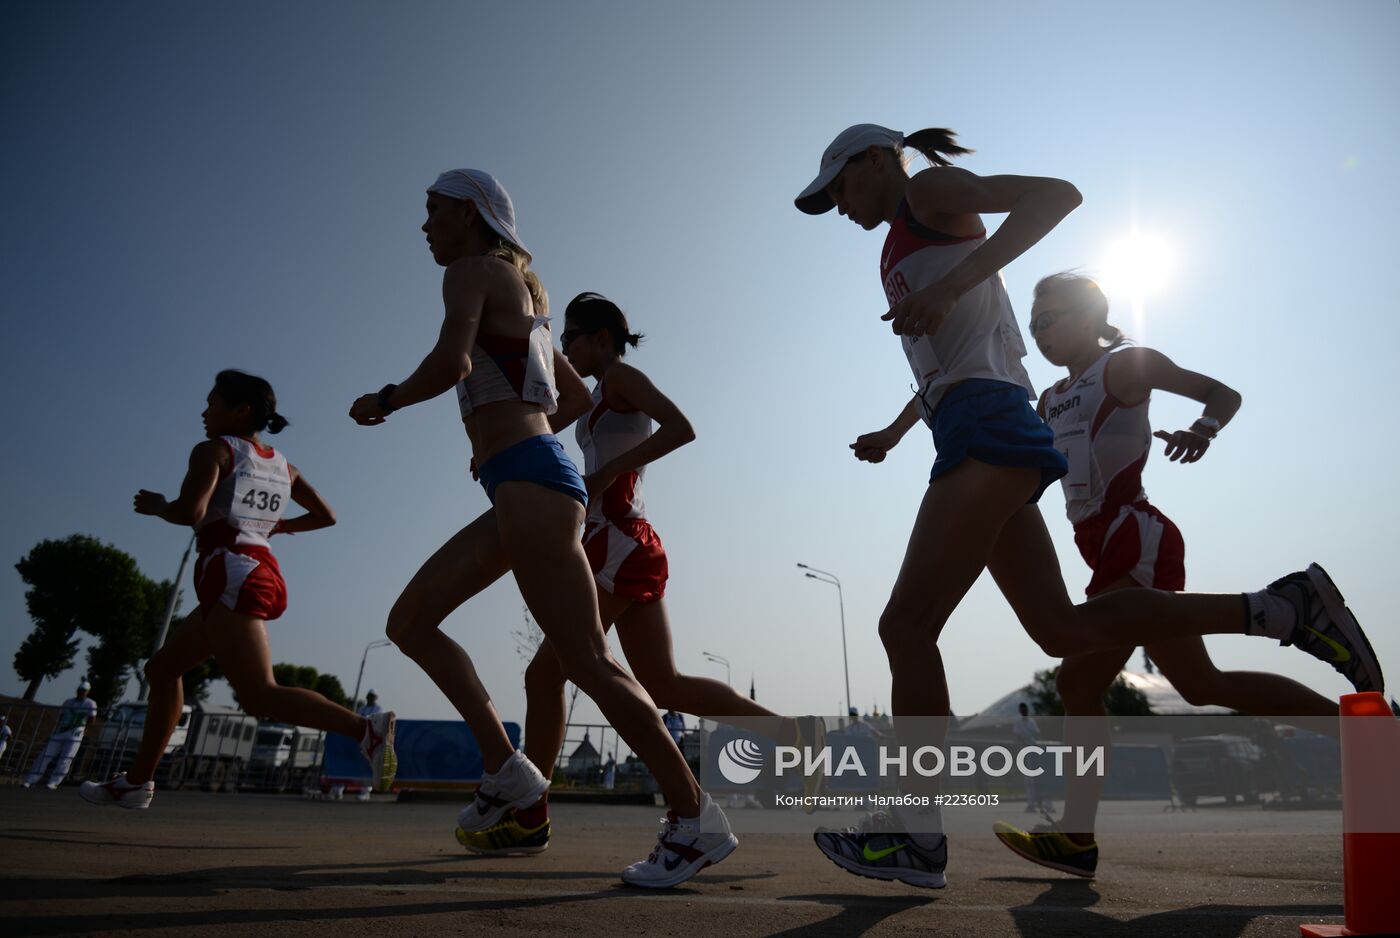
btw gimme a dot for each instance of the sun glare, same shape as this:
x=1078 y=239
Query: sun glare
x=1134 y=268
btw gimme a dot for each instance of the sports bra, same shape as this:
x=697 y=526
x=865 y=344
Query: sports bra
x=511 y=369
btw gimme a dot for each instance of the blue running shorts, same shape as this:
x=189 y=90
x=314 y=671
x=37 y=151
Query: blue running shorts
x=541 y=460
x=994 y=422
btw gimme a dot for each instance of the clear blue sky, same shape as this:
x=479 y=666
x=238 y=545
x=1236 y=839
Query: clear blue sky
x=188 y=188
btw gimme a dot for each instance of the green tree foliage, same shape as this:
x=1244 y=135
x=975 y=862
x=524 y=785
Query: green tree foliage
x=302 y=675
x=1120 y=700
x=198 y=679
x=81 y=584
x=46 y=652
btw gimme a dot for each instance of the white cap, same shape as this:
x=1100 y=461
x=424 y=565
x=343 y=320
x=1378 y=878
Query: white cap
x=848 y=143
x=371 y=693
x=489 y=196
x=84 y=685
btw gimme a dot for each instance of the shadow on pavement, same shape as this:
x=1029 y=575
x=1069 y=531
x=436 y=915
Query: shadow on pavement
x=1062 y=911
x=858 y=913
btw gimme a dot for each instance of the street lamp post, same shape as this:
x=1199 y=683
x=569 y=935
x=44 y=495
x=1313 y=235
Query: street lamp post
x=822 y=576
x=169 y=614
x=378 y=643
x=720 y=659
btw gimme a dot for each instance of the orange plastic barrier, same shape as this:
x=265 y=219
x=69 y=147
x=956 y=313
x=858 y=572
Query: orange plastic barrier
x=1370 y=820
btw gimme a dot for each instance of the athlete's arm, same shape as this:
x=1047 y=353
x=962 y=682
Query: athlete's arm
x=627 y=390
x=949 y=198
x=1040 y=404
x=574 y=399
x=464 y=287
x=873 y=447
x=1134 y=373
x=202 y=477
x=318 y=511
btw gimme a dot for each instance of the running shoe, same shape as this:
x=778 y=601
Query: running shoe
x=1050 y=847
x=507 y=839
x=119 y=792
x=1325 y=628
x=684 y=847
x=877 y=849
x=517 y=784
x=811 y=735
x=377 y=745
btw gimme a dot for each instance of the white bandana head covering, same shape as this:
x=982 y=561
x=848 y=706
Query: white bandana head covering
x=489 y=196
x=848 y=143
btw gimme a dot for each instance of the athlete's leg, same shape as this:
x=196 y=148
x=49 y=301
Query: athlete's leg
x=954 y=534
x=645 y=632
x=469 y=562
x=1028 y=573
x=545 y=710
x=241 y=648
x=1082 y=681
x=185 y=648
x=540 y=527
x=1187 y=665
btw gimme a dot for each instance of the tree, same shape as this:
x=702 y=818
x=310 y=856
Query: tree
x=301 y=675
x=81 y=584
x=47 y=652
x=1120 y=700
x=198 y=679
x=122 y=647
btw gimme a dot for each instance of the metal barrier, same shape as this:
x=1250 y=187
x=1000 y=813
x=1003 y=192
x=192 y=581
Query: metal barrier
x=37 y=751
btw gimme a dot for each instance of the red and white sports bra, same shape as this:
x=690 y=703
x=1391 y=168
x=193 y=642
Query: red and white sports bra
x=511 y=369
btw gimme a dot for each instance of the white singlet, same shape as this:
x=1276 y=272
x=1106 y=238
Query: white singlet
x=978 y=339
x=1105 y=441
x=511 y=369
x=249 y=500
x=603 y=434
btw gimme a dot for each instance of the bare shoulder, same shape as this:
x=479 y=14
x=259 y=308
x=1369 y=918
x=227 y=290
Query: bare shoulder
x=478 y=271
x=1135 y=359
x=938 y=197
x=215 y=449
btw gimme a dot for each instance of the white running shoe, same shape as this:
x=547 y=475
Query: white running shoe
x=684 y=847
x=517 y=784
x=119 y=792
x=377 y=745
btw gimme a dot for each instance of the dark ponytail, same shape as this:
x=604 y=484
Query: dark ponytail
x=937 y=144
x=239 y=387
x=594 y=312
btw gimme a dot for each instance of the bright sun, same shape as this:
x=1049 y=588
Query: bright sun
x=1136 y=266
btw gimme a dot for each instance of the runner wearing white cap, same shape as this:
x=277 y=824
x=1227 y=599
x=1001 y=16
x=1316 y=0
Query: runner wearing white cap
x=940 y=273
x=628 y=562
x=235 y=493
x=494 y=347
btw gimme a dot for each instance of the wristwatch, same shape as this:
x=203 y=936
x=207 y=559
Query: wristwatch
x=383 y=398
x=1207 y=427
